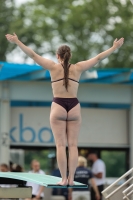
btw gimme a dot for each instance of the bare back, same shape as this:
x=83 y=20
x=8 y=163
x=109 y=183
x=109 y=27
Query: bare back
x=59 y=89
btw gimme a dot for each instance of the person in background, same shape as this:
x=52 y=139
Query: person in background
x=10 y=166
x=17 y=168
x=37 y=190
x=83 y=175
x=4 y=167
x=99 y=173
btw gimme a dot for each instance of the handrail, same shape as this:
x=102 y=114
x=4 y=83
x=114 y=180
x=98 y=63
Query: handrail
x=107 y=196
x=127 y=189
x=119 y=187
x=128 y=194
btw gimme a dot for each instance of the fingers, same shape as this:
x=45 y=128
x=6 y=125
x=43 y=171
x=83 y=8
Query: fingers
x=9 y=37
x=120 y=40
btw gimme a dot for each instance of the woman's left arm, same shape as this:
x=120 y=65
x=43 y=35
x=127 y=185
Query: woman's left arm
x=45 y=63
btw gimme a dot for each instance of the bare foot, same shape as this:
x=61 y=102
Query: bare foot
x=70 y=181
x=65 y=182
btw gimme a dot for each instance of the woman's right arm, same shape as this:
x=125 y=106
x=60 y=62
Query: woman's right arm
x=46 y=63
x=85 y=65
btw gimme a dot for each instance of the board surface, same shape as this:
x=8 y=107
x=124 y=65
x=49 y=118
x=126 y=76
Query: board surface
x=45 y=180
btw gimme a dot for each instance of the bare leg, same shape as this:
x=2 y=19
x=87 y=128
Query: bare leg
x=58 y=118
x=73 y=127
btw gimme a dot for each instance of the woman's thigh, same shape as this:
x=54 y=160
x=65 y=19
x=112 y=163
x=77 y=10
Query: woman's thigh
x=73 y=125
x=58 y=117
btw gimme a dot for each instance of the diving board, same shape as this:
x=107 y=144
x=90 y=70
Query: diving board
x=44 y=180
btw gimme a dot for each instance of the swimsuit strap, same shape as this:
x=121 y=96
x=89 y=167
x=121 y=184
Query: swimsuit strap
x=73 y=80
x=57 y=80
x=63 y=78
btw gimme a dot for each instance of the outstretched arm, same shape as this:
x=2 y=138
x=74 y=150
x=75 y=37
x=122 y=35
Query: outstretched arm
x=46 y=63
x=85 y=65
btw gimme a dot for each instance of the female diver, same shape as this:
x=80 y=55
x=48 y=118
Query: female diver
x=65 y=116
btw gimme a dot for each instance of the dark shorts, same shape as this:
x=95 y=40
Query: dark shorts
x=33 y=196
x=93 y=195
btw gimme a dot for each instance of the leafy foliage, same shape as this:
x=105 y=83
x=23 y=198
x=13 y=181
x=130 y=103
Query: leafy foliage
x=6 y=18
x=115 y=163
x=88 y=26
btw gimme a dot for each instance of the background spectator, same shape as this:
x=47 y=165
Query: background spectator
x=4 y=168
x=37 y=190
x=99 y=173
x=83 y=175
x=16 y=168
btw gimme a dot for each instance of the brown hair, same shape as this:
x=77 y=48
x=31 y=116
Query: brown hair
x=4 y=165
x=16 y=168
x=64 y=52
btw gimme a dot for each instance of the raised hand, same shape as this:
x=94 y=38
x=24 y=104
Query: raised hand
x=118 y=43
x=12 y=38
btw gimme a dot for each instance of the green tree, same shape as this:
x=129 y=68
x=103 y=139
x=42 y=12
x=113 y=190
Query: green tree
x=88 y=26
x=115 y=162
x=6 y=18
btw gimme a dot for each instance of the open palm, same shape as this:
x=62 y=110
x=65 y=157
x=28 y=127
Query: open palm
x=12 y=38
x=118 y=43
